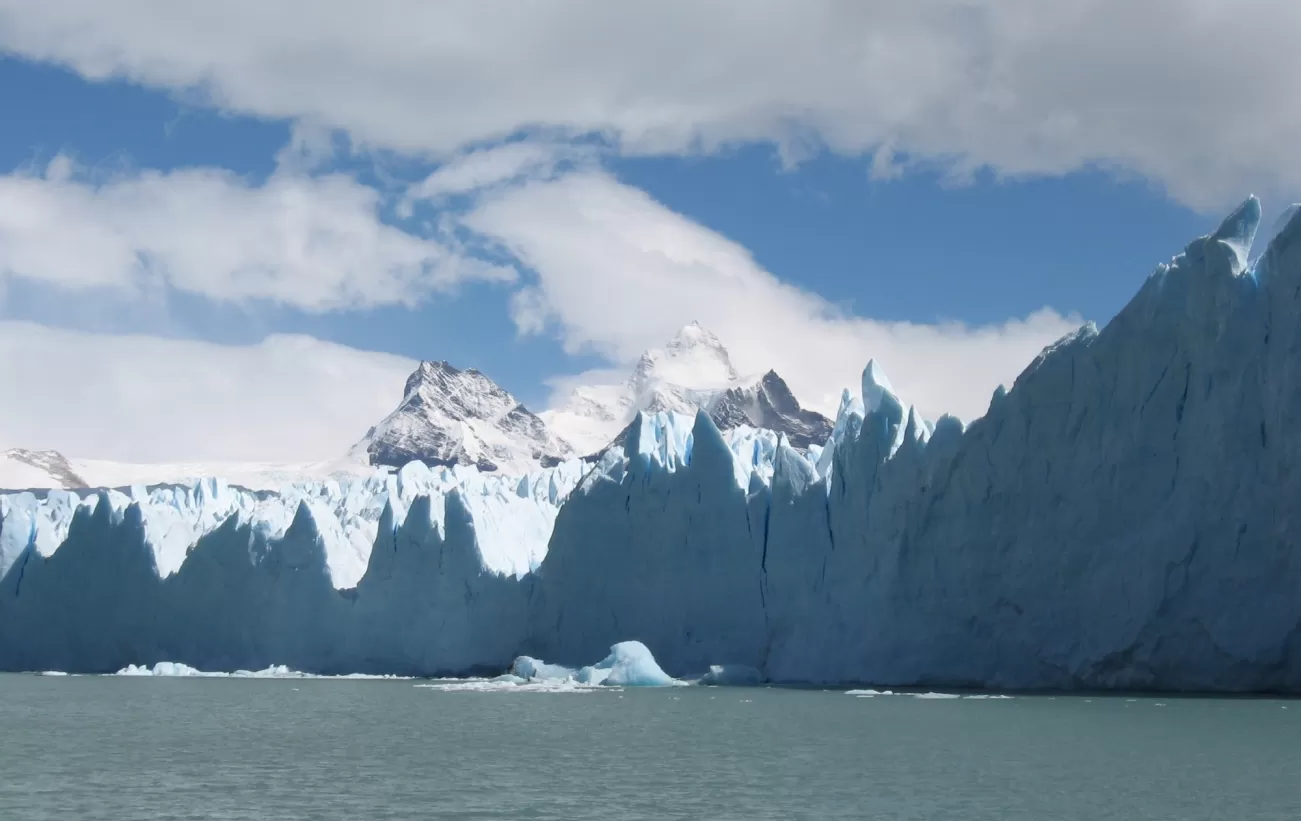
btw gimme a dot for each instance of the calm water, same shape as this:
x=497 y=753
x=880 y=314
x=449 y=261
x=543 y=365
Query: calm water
x=118 y=748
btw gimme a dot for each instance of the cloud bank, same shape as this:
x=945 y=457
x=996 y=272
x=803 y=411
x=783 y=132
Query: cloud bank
x=1191 y=95
x=317 y=243
x=605 y=267
x=148 y=399
x=1194 y=95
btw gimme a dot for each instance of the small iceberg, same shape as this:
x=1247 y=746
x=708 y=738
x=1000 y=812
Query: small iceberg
x=629 y=664
x=169 y=669
x=505 y=684
x=932 y=696
x=530 y=669
x=174 y=669
x=936 y=696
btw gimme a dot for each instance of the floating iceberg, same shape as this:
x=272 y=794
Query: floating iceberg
x=630 y=664
x=171 y=669
x=530 y=669
x=503 y=684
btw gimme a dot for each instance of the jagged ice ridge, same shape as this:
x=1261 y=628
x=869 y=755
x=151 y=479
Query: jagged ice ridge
x=1120 y=518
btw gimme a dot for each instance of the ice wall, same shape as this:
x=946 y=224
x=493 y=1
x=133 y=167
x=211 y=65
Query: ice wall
x=1121 y=517
x=423 y=571
x=660 y=544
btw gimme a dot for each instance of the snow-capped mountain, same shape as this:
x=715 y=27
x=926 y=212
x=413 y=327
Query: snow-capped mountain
x=693 y=371
x=450 y=416
x=447 y=417
x=770 y=404
x=48 y=469
x=24 y=469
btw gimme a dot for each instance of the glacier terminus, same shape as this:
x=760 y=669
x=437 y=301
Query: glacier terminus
x=1120 y=518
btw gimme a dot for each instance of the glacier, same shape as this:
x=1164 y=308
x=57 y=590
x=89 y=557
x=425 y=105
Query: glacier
x=1120 y=518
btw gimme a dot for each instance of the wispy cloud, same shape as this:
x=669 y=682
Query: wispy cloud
x=478 y=169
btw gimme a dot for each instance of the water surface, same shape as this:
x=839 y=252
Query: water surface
x=130 y=748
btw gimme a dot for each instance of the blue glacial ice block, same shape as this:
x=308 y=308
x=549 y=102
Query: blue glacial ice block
x=661 y=549
x=630 y=664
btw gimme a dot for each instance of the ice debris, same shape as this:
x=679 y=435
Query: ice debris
x=172 y=669
x=731 y=675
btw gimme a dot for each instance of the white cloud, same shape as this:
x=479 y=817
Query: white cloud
x=617 y=272
x=475 y=170
x=1193 y=94
x=316 y=243
x=149 y=399
x=310 y=148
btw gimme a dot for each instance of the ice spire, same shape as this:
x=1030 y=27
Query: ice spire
x=875 y=386
x=1238 y=231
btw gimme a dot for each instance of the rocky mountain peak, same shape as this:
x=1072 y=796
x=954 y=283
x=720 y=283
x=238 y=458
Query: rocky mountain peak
x=450 y=416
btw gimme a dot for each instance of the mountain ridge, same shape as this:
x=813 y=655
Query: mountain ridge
x=693 y=371
x=451 y=416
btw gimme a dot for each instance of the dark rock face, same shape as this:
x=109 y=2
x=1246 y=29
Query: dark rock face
x=770 y=404
x=450 y=417
x=51 y=462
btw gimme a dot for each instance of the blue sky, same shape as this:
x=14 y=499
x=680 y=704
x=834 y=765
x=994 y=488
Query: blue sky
x=804 y=240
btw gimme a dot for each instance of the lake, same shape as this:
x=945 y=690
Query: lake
x=182 y=748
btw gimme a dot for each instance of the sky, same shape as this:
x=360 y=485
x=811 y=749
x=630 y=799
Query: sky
x=228 y=231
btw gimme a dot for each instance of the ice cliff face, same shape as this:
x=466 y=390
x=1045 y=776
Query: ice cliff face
x=454 y=417
x=1121 y=517
x=329 y=575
